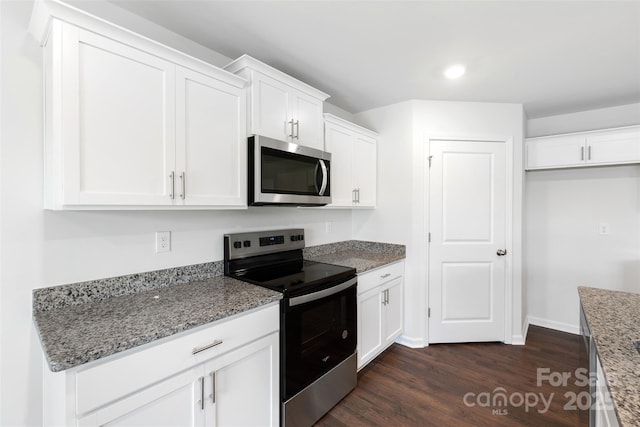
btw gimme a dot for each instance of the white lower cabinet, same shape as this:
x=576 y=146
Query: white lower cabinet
x=605 y=412
x=380 y=310
x=235 y=382
x=171 y=402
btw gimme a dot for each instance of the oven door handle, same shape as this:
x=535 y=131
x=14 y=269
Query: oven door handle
x=323 y=293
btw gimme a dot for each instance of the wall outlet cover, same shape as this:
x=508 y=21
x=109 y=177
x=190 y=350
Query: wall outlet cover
x=604 y=228
x=163 y=241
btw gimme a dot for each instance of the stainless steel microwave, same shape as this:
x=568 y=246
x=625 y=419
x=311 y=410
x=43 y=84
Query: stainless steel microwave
x=283 y=173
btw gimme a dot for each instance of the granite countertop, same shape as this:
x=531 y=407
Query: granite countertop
x=614 y=321
x=75 y=334
x=361 y=255
x=83 y=322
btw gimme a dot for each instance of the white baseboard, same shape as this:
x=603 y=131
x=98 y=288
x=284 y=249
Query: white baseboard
x=552 y=324
x=411 y=342
x=521 y=339
x=516 y=339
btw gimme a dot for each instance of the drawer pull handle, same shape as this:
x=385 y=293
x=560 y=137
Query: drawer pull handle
x=206 y=347
x=384 y=276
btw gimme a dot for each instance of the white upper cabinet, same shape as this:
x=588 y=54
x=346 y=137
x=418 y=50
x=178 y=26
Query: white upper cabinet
x=111 y=109
x=211 y=144
x=280 y=106
x=353 y=163
x=606 y=147
x=615 y=146
x=132 y=124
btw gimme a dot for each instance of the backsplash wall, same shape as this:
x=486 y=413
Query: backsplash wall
x=79 y=246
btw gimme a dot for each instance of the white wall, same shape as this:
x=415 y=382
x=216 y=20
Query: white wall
x=564 y=249
x=602 y=118
x=563 y=209
x=43 y=248
x=400 y=216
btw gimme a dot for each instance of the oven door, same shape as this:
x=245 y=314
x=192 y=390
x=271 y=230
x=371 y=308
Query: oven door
x=283 y=173
x=320 y=333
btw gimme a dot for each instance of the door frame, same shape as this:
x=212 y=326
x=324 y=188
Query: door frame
x=509 y=235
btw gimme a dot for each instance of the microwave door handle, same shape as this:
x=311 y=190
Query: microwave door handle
x=315 y=178
x=325 y=177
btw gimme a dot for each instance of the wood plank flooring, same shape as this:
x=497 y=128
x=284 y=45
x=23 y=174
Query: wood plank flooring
x=427 y=387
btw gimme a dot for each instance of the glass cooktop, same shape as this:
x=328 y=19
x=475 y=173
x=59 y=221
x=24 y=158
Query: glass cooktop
x=297 y=278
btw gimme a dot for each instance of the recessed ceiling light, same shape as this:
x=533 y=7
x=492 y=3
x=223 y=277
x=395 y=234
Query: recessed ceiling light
x=454 y=71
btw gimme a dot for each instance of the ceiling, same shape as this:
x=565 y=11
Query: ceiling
x=553 y=57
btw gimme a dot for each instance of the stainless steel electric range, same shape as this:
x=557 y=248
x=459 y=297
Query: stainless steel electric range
x=318 y=362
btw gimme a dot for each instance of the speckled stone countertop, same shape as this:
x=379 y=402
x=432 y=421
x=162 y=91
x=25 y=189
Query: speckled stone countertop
x=614 y=321
x=83 y=322
x=75 y=333
x=361 y=255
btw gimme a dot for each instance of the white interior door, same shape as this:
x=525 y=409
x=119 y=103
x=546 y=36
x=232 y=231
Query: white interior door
x=467 y=222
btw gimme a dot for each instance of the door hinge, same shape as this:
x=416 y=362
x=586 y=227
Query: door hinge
x=429 y=237
x=430 y=157
x=429 y=312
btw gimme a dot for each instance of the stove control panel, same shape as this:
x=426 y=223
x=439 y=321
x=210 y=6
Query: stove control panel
x=241 y=245
x=272 y=240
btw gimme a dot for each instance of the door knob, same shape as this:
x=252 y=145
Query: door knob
x=501 y=252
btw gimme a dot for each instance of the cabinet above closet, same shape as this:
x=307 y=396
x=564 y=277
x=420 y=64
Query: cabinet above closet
x=594 y=148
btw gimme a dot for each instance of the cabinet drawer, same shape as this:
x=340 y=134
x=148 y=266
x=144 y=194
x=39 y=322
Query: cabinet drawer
x=373 y=278
x=107 y=381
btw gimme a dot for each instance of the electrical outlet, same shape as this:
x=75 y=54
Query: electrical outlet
x=603 y=228
x=163 y=241
x=327 y=226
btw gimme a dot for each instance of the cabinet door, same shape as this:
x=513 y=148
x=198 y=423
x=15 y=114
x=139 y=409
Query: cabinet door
x=370 y=326
x=605 y=411
x=613 y=147
x=118 y=122
x=556 y=152
x=210 y=141
x=307 y=115
x=172 y=402
x=393 y=311
x=340 y=143
x=270 y=108
x=365 y=170
x=245 y=386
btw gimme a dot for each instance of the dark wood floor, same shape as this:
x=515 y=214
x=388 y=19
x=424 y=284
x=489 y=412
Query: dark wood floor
x=427 y=387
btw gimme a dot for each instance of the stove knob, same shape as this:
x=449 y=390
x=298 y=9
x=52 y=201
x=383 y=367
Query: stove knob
x=300 y=236
x=247 y=243
x=237 y=245
x=294 y=238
